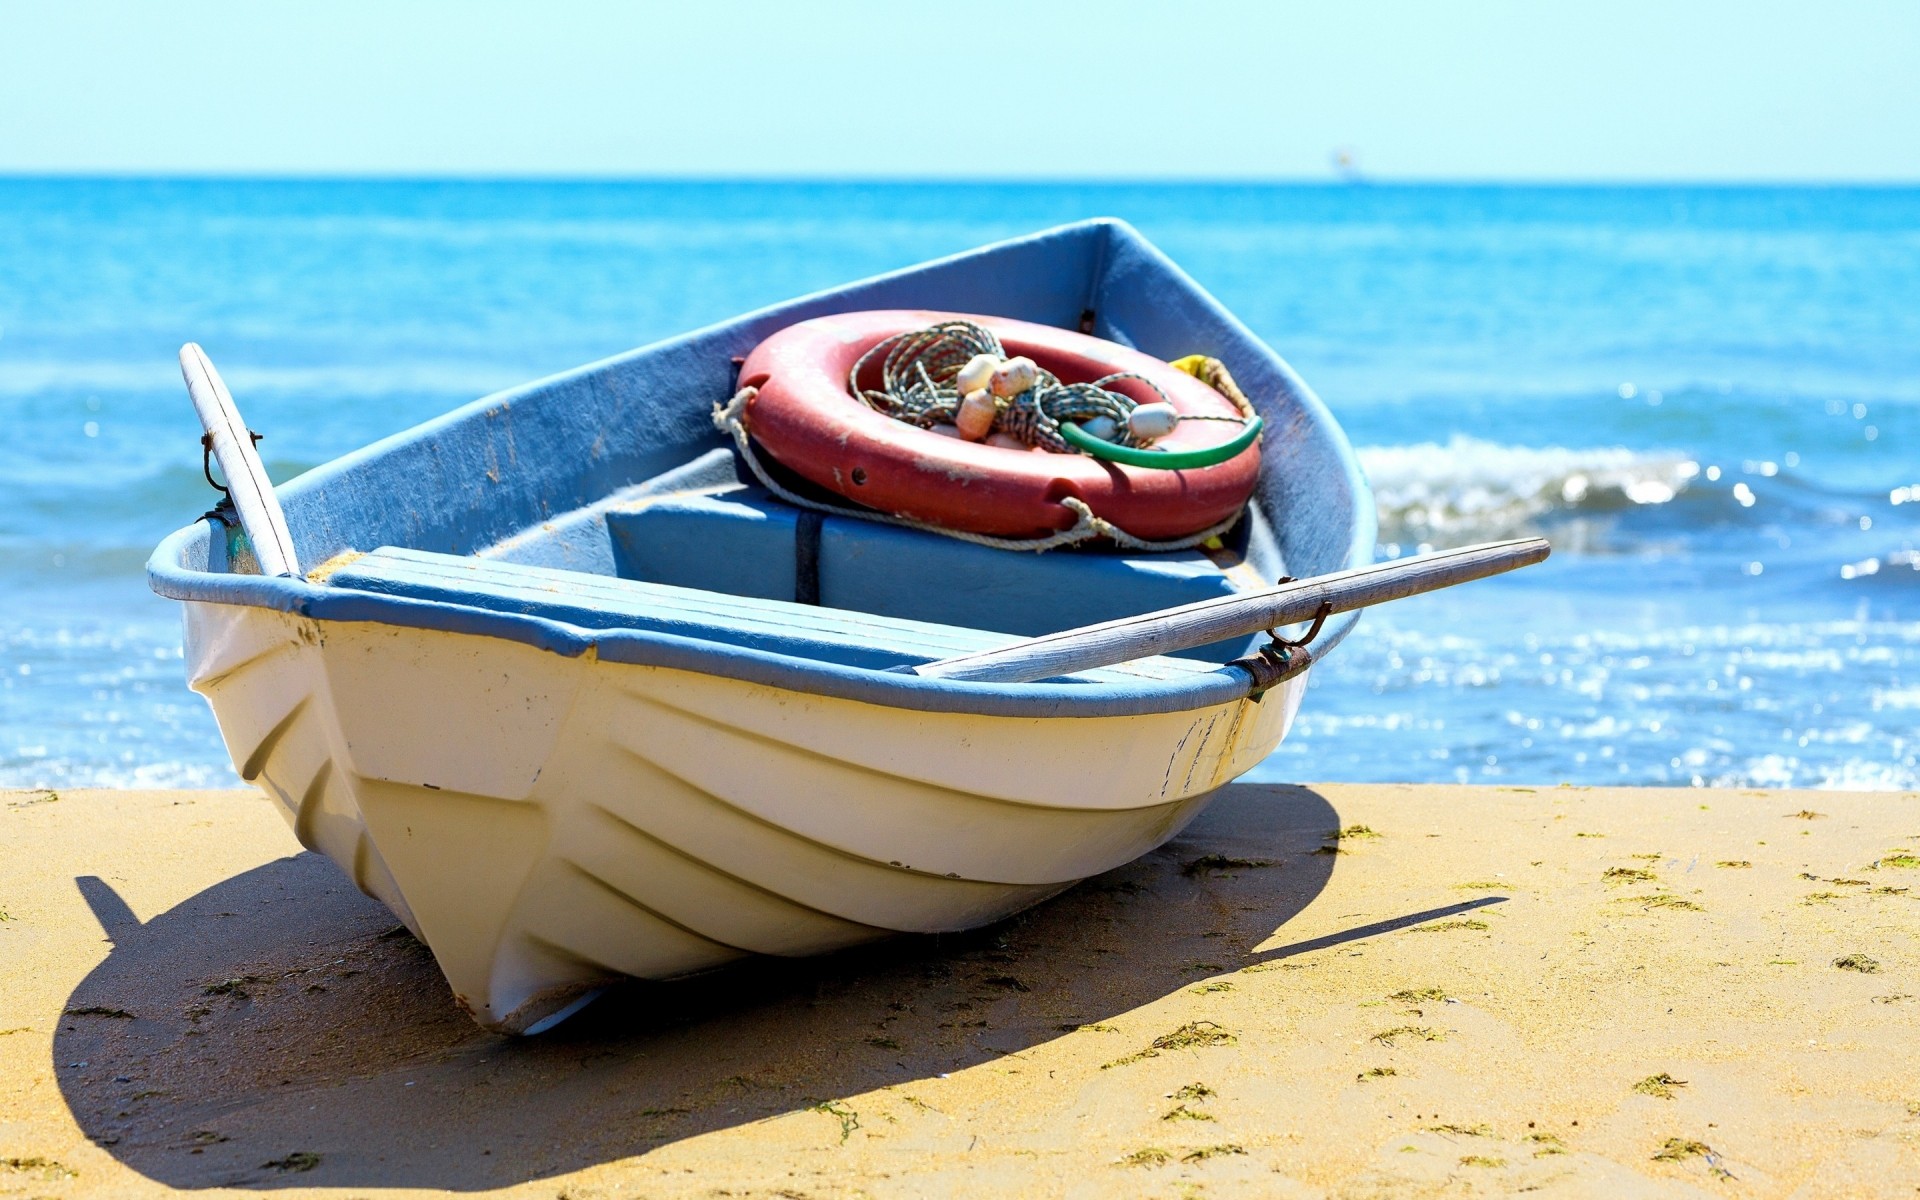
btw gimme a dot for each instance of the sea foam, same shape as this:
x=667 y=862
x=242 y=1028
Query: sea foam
x=1467 y=489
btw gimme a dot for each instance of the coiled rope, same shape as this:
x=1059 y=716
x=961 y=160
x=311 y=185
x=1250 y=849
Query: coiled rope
x=918 y=369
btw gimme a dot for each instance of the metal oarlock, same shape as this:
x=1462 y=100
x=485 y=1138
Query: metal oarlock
x=1281 y=658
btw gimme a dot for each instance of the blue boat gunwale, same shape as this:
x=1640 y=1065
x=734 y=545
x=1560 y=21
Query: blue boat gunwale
x=1291 y=408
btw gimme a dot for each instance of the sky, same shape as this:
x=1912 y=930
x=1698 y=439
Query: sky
x=1541 y=90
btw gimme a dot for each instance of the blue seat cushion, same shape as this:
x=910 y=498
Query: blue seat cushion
x=592 y=601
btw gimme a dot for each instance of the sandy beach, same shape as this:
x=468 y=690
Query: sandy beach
x=638 y=524
x=1348 y=990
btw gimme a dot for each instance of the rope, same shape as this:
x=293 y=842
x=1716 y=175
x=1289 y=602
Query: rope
x=918 y=369
x=731 y=419
x=1213 y=373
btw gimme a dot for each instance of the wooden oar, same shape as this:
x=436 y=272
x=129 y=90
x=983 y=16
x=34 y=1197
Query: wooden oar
x=1192 y=625
x=247 y=482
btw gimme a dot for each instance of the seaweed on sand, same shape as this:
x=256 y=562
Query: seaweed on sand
x=1665 y=900
x=1660 y=1086
x=1222 y=864
x=1399 y=1033
x=1151 y=1156
x=849 y=1119
x=1205 y=1152
x=1628 y=875
x=1191 y=1036
x=1681 y=1149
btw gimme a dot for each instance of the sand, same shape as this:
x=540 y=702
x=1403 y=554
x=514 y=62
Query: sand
x=1467 y=991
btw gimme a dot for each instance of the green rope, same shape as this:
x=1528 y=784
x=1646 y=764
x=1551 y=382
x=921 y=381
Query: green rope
x=1166 y=460
x=917 y=373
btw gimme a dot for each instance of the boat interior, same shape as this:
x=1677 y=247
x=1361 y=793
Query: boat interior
x=604 y=499
x=698 y=553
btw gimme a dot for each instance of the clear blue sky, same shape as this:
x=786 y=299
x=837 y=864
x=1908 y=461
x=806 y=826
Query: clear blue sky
x=1534 y=90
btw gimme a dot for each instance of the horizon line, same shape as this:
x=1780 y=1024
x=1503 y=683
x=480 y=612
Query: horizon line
x=1358 y=183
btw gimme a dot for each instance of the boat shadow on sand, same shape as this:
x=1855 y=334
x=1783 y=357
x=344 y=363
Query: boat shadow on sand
x=277 y=1029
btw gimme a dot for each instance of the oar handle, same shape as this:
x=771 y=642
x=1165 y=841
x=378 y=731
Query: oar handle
x=247 y=482
x=1214 y=620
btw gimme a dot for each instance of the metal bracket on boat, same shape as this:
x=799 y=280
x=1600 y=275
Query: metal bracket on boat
x=248 y=489
x=206 y=464
x=1281 y=658
x=223 y=510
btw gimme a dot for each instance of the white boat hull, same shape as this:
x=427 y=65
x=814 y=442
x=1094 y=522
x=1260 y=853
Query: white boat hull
x=549 y=824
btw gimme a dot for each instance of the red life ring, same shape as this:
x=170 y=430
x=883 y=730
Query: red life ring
x=807 y=420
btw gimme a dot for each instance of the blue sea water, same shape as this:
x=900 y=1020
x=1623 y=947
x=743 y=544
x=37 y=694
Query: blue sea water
x=1708 y=398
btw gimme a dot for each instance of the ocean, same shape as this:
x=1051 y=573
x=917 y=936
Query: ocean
x=1708 y=398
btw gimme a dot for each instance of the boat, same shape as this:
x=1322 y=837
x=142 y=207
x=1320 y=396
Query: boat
x=579 y=697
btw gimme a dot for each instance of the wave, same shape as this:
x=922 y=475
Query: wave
x=463 y=378
x=1468 y=489
x=60 y=503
